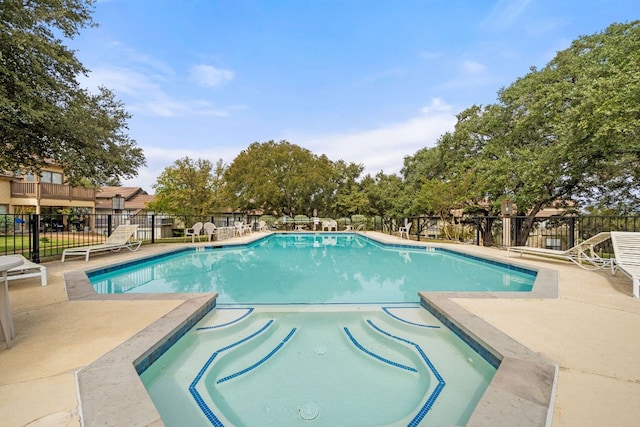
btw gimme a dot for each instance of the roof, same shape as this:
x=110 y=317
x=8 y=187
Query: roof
x=126 y=192
x=134 y=197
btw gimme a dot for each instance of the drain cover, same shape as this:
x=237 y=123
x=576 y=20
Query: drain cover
x=309 y=411
x=320 y=350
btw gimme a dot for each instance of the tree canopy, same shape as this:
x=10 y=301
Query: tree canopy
x=564 y=133
x=45 y=116
x=189 y=187
x=568 y=131
x=279 y=178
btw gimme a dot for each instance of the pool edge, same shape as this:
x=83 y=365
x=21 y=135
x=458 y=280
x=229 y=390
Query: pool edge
x=522 y=391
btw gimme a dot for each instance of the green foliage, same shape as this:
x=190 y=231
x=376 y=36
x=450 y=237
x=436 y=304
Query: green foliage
x=386 y=194
x=189 y=187
x=46 y=116
x=568 y=131
x=279 y=178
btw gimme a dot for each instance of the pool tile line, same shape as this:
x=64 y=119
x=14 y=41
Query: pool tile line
x=479 y=348
x=386 y=245
x=208 y=412
x=399 y=319
x=222 y=325
x=131 y=263
x=376 y=356
x=148 y=359
x=261 y=361
x=441 y=382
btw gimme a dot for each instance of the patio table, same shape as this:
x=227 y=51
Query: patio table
x=6 y=319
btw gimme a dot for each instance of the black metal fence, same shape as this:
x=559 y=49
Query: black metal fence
x=46 y=236
x=554 y=232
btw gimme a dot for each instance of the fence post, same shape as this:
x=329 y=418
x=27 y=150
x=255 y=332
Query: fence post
x=34 y=226
x=572 y=232
x=153 y=229
x=109 y=224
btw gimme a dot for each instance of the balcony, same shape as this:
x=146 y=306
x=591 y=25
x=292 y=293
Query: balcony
x=45 y=190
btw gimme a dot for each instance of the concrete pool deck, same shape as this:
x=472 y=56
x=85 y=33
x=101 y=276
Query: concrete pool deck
x=592 y=331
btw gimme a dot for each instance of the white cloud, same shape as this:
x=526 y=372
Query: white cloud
x=504 y=13
x=160 y=158
x=210 y=76
x=384 y=148
x=473 y=67
x=429 y=56
x=145 y=95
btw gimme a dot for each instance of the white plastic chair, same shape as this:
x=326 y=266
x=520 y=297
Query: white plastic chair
x=209 y=230
x=404 y=230
x=193 y=231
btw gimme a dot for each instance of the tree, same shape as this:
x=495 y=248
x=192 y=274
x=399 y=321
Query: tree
x=279 y=178
x=349 y=198
x=44 y=115
x=568 y=131
x=383 y=192
x=190 y=188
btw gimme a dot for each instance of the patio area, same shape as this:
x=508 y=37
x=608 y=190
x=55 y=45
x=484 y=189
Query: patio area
x=592 y=331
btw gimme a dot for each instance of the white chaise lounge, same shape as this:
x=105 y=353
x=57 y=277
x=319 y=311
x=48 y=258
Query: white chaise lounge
x=26 y=270
x=626 y=246
x=120 y=238
x=582 y=254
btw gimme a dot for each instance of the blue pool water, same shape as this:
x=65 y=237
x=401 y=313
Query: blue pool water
x=328 y=366
x=313 y=268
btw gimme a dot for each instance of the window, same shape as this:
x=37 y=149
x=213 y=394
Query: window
x=554 y=243
x=51 y=177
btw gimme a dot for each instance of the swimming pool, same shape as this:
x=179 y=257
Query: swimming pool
x=280 y=367
x=313 y=268
x=503 y=400
x=220 y=406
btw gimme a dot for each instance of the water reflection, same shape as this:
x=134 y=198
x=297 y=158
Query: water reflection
x=312 y=268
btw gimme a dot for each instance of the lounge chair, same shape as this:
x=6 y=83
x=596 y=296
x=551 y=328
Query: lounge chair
x=626 y=247
x=26 y=270
x=193 y=232
x=120 y=238
x=582 y=254
x=209 y=230
x=404 y=230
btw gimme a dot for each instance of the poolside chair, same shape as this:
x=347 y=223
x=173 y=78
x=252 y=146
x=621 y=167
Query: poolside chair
x=209 y=230
x=120 y=238
x=194 y=231
x=330 y=225
x=26 y=270
x=626 y=247
x=262 y=226
x=239 y=228
x=582 y=254
x=404 y=231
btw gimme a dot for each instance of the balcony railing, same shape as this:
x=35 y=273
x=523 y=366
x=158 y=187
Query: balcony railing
x=51 y=191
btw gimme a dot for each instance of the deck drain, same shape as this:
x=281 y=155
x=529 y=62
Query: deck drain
x=320 y=350
x=309 y=411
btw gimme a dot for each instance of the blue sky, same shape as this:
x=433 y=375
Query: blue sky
x=365 y=81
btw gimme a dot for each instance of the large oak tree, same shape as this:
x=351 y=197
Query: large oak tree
x=568 y=131
x=45 y=116
x=280 y=178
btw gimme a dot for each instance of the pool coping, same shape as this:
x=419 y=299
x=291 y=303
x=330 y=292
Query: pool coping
x=522 y=392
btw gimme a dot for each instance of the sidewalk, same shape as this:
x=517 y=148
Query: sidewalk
x=592 y=331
